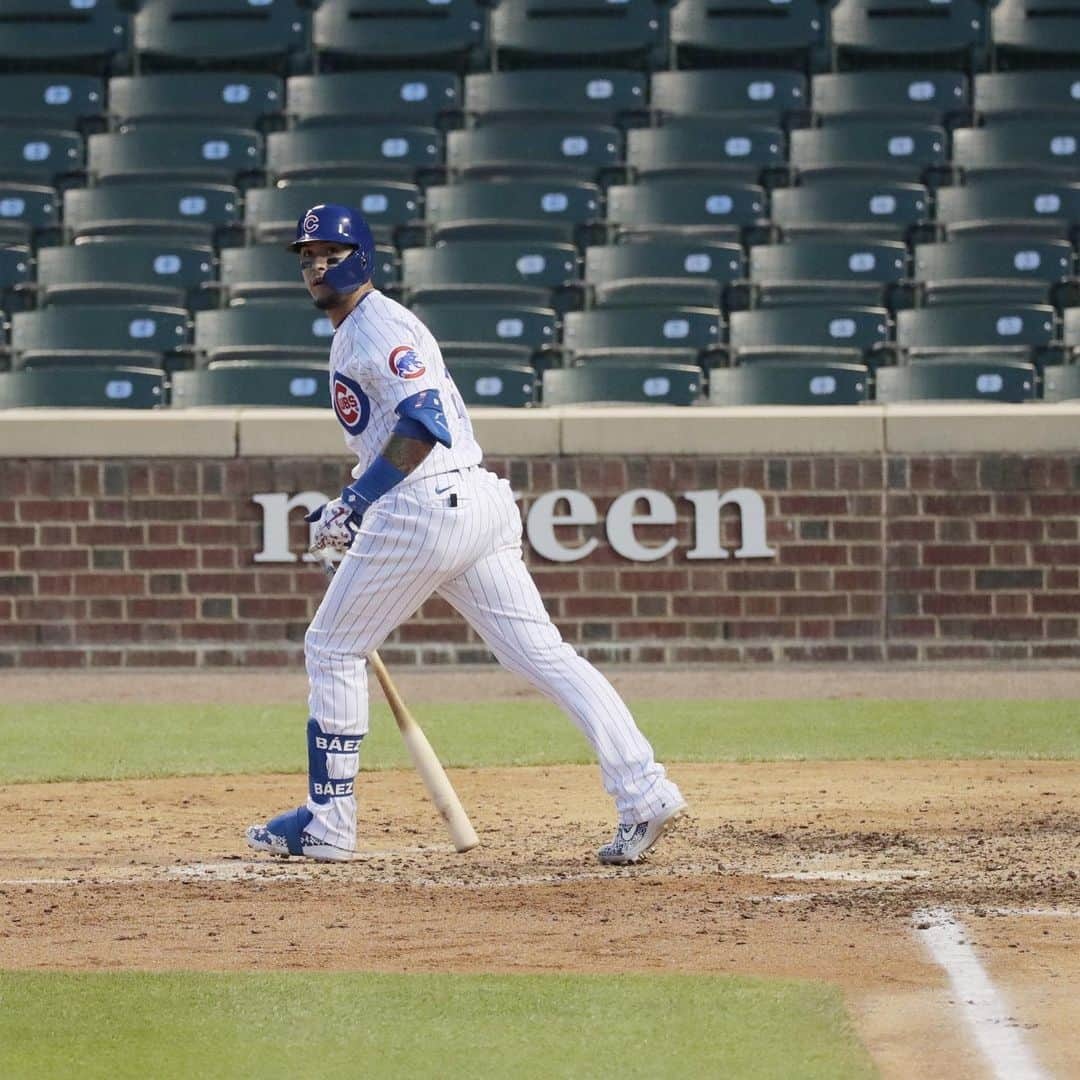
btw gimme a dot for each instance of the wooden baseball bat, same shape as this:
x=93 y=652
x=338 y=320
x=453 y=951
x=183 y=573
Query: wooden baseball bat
x=427 y=763
x=424 y=759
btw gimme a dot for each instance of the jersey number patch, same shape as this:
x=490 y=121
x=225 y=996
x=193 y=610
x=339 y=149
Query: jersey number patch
x=350 y=404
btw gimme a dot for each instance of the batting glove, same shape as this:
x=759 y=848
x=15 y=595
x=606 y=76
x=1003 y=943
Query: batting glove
x=335 y=529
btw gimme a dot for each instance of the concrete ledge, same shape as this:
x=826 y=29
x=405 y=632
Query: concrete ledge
x=101 y=433
x=916 y=428
x=268 y=432
x=774 y=429
x=945 y=428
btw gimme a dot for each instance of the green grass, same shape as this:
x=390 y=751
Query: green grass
x=366 y=1025
x=69 y=742
x=103 y=742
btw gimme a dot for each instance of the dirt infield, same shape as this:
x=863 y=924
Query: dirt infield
x=829 y=870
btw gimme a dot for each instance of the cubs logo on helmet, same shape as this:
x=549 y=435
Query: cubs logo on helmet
x=310 y=225
x=351 y=404
x=405 y=364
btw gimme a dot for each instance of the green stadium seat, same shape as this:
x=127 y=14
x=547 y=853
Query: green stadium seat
x=770 y=96
x=1029 y=207
x=881 y=149
x=644 y=384
x=722 y=33
x=997 y=329
x=27 y=211
x=483 y=382
x=40 y=155
x=514 y=330
x=922 y=96
x=91 y=387
x=1034 y=33
x=676 y=334
x=848 y=333
x=1009 y=270
x=584 y=95
x=185 y=34
x=194 y=152
x=142 y=335
x=16 y=271
x=375 y=33
x=51 y=100
x=891 y=210
x=390 y=207
x=828 y=270
x=500 y=151
x=1061 y=382
x=568 y=32
x=883 y=33
x=669 y=272
x=199 y=212
x=392 y=151
x=271 y=272
x=124 y=272
x=58 y=35
x=1006 y=96
x=266 y=332
x=1022 y=148
x=239 y=99
x=426 y=98
x=552 y=209
x=706 y=207
x=505 y=271
x=807 y=382
x=696 y=146
x=244 y=382
x=959 y=380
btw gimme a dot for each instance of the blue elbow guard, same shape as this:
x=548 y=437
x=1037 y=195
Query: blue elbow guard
x=424 y=409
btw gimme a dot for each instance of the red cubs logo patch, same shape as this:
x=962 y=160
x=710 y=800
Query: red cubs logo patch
x=350 y=403
x=405 y=364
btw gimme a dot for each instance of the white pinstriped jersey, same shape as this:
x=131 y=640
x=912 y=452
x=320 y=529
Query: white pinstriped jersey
x=381 y=354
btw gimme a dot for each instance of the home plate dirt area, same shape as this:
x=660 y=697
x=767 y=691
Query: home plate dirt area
x=852 y=872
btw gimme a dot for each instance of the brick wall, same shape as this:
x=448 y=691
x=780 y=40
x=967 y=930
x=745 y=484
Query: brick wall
x=149 y=563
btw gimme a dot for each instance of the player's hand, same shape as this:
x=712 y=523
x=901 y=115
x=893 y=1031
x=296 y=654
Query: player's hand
x=335 y=529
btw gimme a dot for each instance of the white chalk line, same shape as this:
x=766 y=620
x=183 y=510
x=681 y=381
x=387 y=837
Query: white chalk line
x=982 y=1006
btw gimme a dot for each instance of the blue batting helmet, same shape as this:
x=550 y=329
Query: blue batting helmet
x=340 y=225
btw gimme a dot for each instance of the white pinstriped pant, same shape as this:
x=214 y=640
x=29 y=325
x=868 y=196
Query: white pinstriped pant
x=413 y=543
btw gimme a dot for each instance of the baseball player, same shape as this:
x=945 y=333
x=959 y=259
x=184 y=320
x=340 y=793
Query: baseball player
x=423 y=516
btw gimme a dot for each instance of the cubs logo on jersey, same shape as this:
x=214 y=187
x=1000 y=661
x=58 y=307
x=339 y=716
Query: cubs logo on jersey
x=350 y=403
x=405 y=363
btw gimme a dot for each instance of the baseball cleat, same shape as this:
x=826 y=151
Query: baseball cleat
x=285 y=835
x=632 y=841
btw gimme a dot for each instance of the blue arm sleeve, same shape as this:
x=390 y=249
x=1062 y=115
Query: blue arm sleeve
x=424 y=410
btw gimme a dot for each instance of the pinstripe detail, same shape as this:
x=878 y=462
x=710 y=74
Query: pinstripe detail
x=413 y=543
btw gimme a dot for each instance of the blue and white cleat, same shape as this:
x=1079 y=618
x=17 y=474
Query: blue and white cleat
x=632 y=841
x=286 y=835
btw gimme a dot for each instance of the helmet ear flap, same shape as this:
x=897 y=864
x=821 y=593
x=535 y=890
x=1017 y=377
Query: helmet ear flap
x=351 y=273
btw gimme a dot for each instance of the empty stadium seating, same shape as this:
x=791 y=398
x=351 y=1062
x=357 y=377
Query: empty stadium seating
x=829 y=185
x=91 y=387
x=671 y=271
x=654 y=334
x=644 y=384
x=138 y=335
x=525 y=272
x=493 y=382
x=170 y=34
x=243 y=382
x=372 y=33
x=805 y=382
x=992 y=379
x=604 y=96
